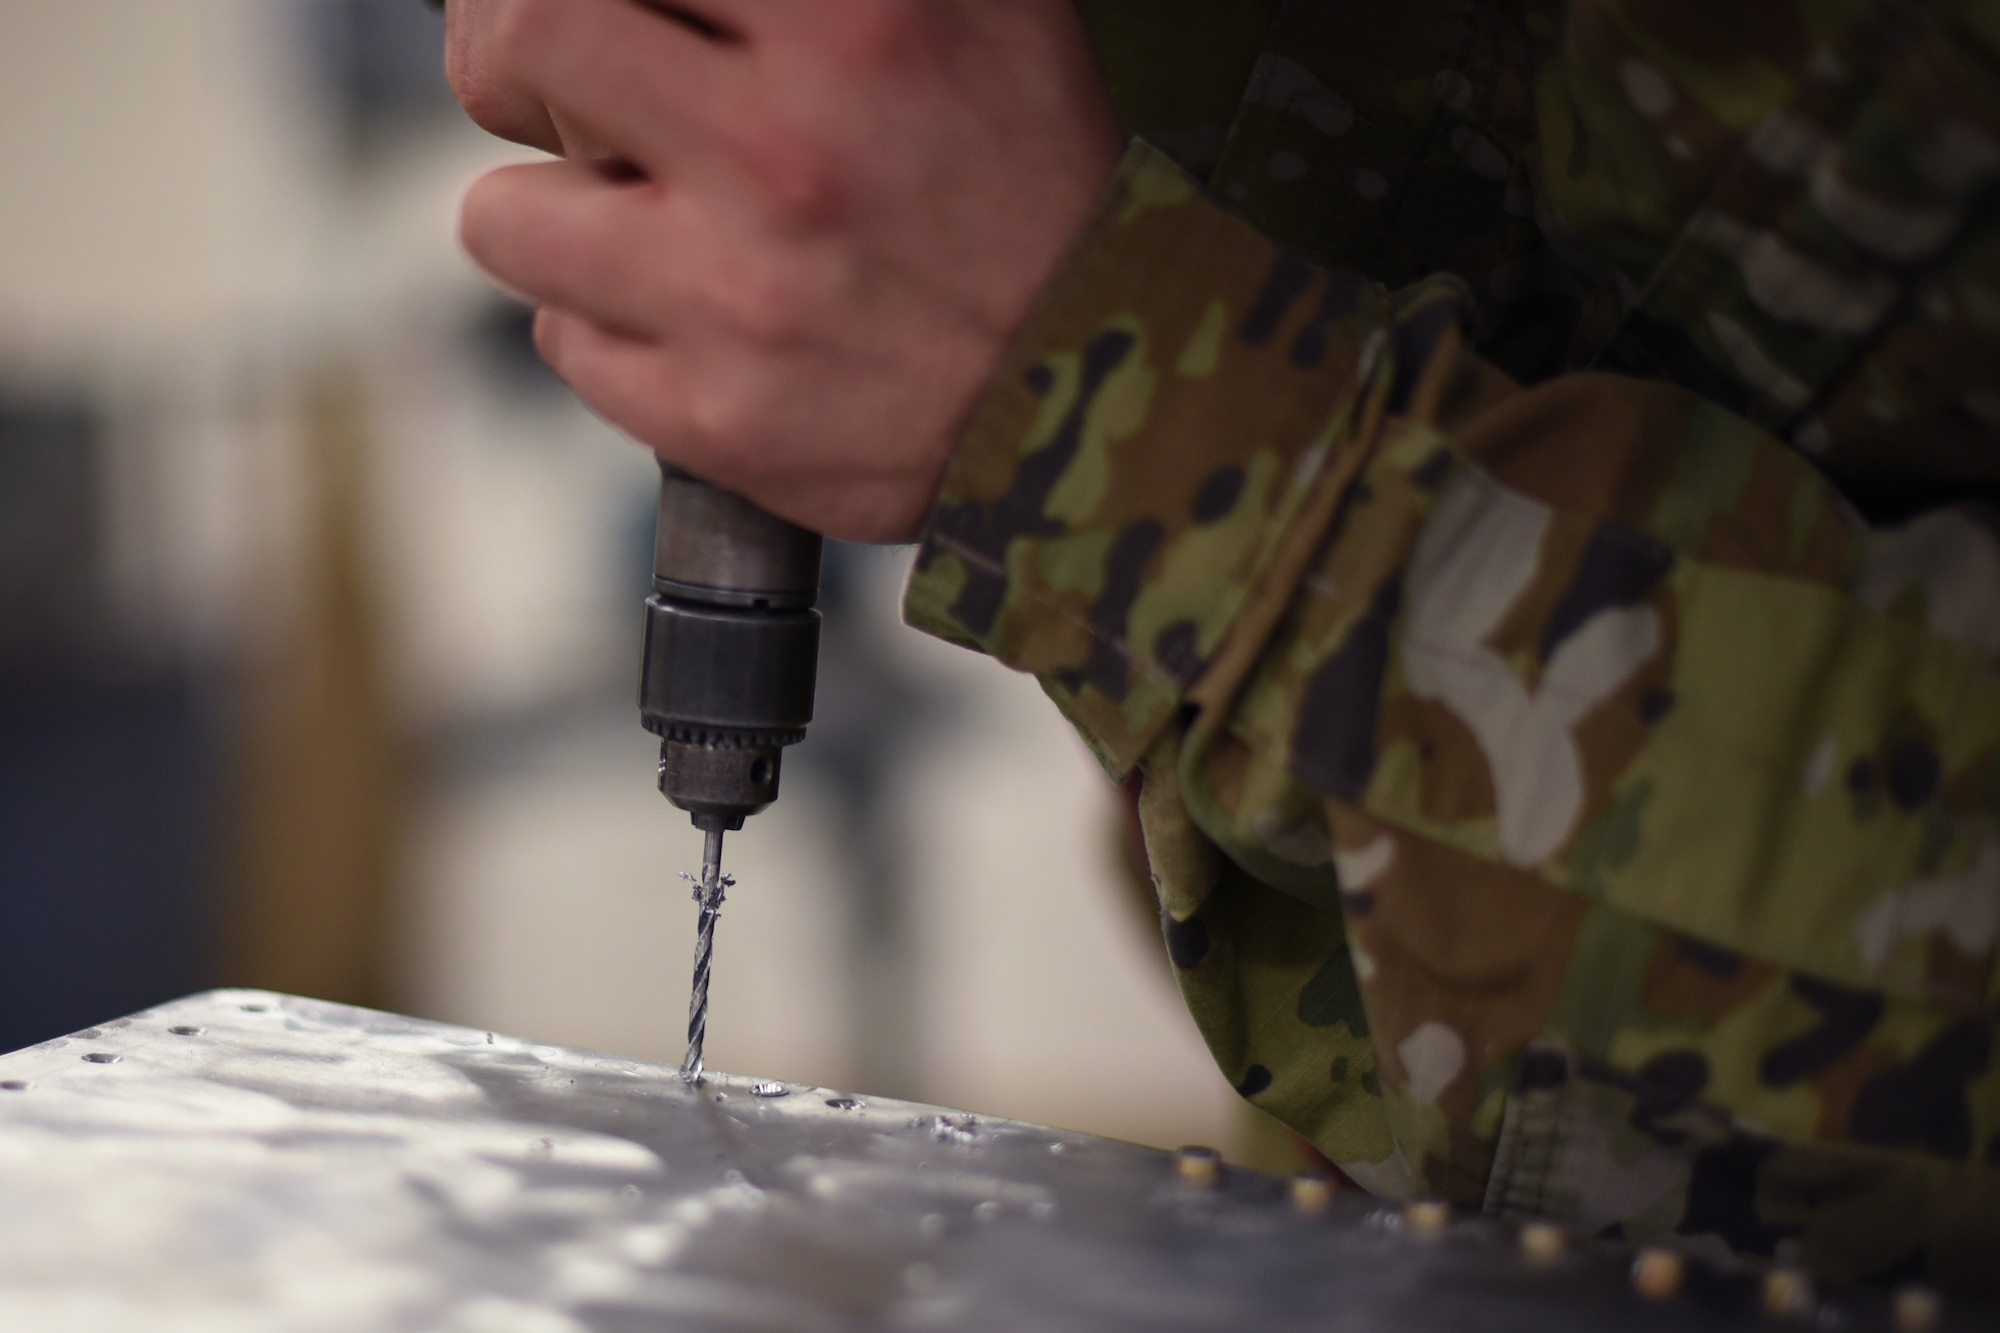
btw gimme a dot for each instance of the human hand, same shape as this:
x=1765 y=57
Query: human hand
x=794 y=236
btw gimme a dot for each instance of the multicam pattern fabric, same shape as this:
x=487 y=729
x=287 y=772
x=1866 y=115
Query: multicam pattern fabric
x=1445 y=471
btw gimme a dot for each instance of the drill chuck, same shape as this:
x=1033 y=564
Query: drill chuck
x=731 y=648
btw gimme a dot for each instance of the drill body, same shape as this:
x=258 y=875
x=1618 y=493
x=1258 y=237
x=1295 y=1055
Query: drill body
x=726 y=675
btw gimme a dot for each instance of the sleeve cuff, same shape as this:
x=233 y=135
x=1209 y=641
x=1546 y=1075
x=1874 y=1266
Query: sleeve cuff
x=1170 y=412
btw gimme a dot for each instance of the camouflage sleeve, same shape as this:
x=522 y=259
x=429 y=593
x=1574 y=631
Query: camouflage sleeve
x=1164 y=438
x=1657 y=799
x=1475 y=717
x=1626 y=600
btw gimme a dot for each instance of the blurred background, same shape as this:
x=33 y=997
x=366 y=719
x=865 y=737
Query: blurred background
x=319 y=603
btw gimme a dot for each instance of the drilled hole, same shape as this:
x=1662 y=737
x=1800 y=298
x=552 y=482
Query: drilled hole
x=256 y=1008
x=101 y=1058
x=185 y=1031
x=13 y=1085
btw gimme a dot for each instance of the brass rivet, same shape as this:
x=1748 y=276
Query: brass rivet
x=1658 y=1274
x=1198 y=1166
x=1788 y=1293
x=1918 y=1310
x=1312 y=1193
x=1542 y=1242
x=1426 y=1218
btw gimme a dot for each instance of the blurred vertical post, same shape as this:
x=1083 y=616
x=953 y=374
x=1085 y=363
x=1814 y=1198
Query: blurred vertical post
x=323 y=766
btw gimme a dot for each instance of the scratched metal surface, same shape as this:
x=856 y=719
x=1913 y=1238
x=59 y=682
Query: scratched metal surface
x=248 y=1161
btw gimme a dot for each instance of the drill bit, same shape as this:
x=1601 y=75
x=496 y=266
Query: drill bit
x=708 y=892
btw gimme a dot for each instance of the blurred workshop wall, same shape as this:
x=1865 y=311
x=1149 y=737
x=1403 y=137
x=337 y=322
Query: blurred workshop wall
x=319 y=778
x=201 y=757
x=135 y=173
x=318 y=614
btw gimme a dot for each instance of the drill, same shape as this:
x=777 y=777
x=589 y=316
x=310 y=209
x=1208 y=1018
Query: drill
x=726 y=676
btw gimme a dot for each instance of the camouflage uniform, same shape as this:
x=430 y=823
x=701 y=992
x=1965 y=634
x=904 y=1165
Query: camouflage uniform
x=1506 y=473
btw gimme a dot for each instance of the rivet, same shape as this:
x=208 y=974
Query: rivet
x=1788 y=1293
x=1658 y=1274
x=1427 y=1218
x=1198 y=1166
x=1917 y=1309
x=1542 y=1242
x=1312 y=1193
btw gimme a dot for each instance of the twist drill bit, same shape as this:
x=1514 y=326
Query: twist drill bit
x=708 y=895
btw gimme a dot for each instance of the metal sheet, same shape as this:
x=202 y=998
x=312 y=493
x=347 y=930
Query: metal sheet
x=246 y=1161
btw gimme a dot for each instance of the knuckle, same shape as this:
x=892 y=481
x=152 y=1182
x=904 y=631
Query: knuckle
x=488 y=108
x=487 y=100
x=876 y=34
x=732 y=415
x=762 y=305
x=764 y=313
x=795 y=176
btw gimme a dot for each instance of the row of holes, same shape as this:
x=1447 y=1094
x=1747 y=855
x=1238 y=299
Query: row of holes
x=106 y=1058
